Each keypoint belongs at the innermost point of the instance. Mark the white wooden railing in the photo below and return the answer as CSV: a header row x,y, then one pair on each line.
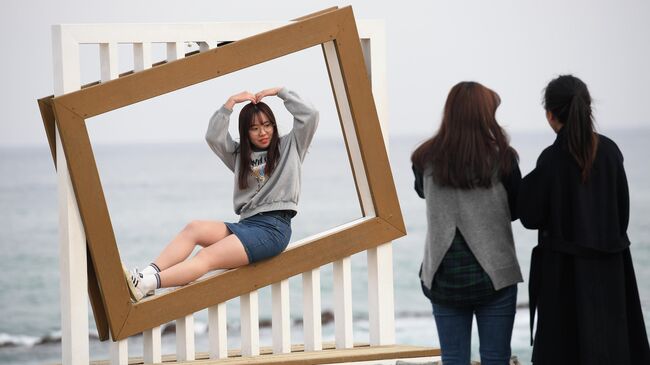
x,y
66,41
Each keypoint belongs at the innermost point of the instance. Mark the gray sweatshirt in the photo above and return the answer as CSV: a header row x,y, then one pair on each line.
x,y
280,190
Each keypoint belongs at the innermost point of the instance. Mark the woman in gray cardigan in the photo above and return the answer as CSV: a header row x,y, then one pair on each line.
x,y
468,175
267,186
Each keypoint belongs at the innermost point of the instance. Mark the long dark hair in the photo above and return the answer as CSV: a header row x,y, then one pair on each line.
x,y
246,118
470,145
568,99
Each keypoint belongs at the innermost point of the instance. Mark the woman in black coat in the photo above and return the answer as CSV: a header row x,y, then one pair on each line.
x,y
582,282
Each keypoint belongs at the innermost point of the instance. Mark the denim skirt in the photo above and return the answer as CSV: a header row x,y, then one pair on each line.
x,y
263,235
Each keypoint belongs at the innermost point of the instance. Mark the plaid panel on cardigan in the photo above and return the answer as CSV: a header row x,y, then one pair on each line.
x,y
460,280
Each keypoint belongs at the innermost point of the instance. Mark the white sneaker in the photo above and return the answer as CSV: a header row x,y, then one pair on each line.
x,y
135,272
132,282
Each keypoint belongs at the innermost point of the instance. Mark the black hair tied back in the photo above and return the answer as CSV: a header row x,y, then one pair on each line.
x,y
568,99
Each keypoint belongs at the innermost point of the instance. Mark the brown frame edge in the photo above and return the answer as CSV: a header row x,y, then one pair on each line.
x,y
94,293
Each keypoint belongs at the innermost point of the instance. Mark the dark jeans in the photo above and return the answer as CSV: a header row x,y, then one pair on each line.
x,y
494,318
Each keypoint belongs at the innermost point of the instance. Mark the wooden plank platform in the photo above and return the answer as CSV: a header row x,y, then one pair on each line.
x,y
329,355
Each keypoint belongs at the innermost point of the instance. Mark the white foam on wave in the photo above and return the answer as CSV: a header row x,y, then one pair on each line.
x,y
9,340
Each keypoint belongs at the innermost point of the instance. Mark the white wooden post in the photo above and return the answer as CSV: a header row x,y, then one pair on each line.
x,y
72,239
281,320
152,344
343,303
185,338
380,295
141,56
312,310
175,50
250,329
184,326
218,331
380,259
380,272
108,59
119,353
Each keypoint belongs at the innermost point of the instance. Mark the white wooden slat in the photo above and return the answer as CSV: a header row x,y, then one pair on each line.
x,y
65,54
175,50
218,331
185,338
343,303
108,60
152,344
119,352
73,288
312,310
141,56
381,309
281,320
72,262
250,330
380,259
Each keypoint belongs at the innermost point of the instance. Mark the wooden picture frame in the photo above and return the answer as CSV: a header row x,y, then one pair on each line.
x,y
335,30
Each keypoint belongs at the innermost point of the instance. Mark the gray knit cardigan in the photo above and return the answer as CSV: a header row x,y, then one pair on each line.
x,y
483,217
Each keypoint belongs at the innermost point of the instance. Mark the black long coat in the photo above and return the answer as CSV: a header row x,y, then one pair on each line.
x,y
582,281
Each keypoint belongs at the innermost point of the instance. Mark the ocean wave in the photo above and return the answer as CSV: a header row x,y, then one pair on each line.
x,y
9,340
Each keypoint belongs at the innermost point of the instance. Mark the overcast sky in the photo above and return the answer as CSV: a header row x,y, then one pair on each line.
x,y
514,47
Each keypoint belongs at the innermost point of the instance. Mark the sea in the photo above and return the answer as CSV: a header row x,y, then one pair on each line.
x,y
154,190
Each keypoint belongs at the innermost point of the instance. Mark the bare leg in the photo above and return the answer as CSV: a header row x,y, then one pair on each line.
x,y
228,253
203,233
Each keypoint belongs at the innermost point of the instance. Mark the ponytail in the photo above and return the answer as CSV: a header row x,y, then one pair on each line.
x,y
568,99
